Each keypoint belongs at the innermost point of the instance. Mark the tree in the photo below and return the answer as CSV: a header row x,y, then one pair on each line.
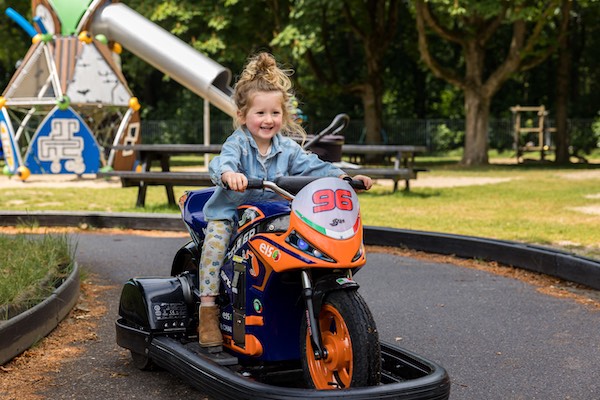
x,y
324,35
225,30
562,154
470,25
15,41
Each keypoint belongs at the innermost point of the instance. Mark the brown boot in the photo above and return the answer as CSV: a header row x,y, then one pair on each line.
x,y
208,329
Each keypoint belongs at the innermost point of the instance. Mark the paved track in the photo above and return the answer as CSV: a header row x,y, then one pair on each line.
x,y
498,338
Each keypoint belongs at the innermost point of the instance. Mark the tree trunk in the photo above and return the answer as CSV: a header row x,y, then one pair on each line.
x,y
562,89
373,115
477,113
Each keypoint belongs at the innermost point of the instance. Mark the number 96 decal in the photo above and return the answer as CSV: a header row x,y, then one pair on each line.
x,y
328,199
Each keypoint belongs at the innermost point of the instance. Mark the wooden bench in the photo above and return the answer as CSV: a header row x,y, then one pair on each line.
x,y
402,169
395,174
168,179
147,154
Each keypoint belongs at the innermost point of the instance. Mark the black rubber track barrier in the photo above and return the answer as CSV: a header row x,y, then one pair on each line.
x,y
22,331
545,260
585,271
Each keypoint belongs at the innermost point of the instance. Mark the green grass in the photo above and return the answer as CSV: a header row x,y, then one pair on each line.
x,y
30,270
533,207
538,204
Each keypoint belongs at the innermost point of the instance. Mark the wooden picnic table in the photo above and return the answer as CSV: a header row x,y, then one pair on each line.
x,y
403,166
147,154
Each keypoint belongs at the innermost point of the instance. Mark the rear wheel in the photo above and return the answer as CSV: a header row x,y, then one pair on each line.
x,y
141,361
351,340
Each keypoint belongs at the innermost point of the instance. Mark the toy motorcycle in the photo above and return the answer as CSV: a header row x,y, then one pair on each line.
x,y
287,293
292,320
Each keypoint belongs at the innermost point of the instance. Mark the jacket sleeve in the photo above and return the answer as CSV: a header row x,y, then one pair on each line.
x,y
227,160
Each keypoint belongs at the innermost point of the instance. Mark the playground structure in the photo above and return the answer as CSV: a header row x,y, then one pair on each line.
x,y
532,137
68,97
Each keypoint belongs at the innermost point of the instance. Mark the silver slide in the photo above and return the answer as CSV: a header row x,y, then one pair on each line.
x,y
167,53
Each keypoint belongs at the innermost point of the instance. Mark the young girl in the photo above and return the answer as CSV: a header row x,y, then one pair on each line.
x,y
257,149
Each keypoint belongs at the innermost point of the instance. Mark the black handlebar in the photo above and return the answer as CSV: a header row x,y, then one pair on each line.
x,y
255,183
355,183
294,184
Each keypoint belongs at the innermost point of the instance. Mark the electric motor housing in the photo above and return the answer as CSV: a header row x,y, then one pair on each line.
x,y
157,304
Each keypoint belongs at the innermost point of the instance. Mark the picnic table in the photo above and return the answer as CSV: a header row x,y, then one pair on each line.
x,y
148,154
403,167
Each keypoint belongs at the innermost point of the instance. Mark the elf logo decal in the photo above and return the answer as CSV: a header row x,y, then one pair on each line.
x,y
226,316
270,251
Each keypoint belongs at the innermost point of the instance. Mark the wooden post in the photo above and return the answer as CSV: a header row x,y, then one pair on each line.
x,y
206,128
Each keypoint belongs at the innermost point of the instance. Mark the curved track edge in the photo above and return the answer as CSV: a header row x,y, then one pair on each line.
x,y
561,264
24,330
557,263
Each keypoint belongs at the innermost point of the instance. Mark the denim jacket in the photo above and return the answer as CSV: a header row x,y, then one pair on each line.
x,y
240,154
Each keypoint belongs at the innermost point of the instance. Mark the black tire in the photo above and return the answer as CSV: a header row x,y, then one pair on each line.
x,y
345,323
142,361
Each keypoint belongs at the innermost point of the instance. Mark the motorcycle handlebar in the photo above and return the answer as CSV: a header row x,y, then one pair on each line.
x,y
255,183
355,183
295,183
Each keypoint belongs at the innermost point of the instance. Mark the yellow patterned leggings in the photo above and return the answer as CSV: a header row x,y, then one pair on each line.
x,y
215,244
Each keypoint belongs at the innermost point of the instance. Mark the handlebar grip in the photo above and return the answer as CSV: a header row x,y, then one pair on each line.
x,y
355,183
255,183
360,185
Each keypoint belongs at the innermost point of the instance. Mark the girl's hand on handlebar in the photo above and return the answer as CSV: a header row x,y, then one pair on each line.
x,y
365,179
234,181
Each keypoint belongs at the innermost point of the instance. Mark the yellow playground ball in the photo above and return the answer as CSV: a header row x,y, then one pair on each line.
x,y
117,48
85,37
23,173
134,104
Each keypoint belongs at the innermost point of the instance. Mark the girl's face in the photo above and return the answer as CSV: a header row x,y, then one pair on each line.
x,y
264,117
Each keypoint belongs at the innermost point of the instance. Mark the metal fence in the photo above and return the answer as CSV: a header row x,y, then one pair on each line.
x,y
436,134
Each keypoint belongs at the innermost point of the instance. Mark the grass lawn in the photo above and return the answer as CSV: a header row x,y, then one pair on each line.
x,y
30,270
530,202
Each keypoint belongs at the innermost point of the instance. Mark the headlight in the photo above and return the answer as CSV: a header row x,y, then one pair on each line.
x,y
304,246
359,253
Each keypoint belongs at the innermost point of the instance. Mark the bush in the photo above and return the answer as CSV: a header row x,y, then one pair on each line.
x,y
585,137
445,139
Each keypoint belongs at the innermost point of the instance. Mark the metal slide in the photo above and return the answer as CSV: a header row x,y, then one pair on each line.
x,y
167,53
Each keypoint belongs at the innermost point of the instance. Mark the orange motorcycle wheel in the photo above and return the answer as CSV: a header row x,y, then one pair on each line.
x,y
351,341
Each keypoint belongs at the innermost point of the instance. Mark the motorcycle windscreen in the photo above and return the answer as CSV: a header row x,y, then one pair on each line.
x,y
329,206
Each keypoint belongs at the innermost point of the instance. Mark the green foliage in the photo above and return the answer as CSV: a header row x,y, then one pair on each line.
x,y
445,139
586,139
14,41
316,38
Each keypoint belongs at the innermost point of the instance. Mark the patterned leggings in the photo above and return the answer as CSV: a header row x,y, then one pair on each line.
x,y
215,244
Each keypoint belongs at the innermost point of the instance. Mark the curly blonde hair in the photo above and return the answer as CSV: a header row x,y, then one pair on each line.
x,y
262,74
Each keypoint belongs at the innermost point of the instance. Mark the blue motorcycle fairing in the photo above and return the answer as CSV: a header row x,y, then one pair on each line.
x,y
271,297
196,199
192,210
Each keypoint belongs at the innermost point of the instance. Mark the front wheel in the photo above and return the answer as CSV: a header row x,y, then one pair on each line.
x,y
351,341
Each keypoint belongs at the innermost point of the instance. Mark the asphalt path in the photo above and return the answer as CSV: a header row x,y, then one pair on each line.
x,y
497,337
